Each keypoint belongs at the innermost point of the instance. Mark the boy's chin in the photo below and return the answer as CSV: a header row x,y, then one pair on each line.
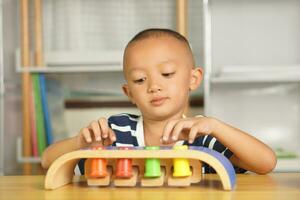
x,y
160,115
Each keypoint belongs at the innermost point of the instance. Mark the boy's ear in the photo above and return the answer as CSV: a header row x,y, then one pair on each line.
x,y
127,92
196,78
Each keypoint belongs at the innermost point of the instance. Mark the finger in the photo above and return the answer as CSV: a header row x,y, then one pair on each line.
x,y
96,130
86,134
112,135
111,138
205,129
96,145
168,129
193,133
178,128
104,127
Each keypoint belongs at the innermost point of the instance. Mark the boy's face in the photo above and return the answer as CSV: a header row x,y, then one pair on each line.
x,y
159,73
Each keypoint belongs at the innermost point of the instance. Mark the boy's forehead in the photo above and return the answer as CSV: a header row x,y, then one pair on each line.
x,y
171,44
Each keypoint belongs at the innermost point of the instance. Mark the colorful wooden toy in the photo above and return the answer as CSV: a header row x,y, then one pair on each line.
x,y
61,171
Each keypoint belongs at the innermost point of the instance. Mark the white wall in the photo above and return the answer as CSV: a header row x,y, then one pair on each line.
x,y
255,32
256,71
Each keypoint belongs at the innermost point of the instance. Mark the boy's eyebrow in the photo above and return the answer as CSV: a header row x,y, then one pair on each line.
x,y
135,69
167,62
161,63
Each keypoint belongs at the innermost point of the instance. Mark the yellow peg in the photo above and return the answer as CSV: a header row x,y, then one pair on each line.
x,y
181,166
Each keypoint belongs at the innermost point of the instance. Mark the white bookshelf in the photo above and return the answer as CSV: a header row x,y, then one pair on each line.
x,y
253,70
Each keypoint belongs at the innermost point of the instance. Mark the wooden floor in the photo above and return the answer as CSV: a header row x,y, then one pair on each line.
x,y
249,186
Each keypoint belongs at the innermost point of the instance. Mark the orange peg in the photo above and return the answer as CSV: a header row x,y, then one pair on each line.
x,y
98,166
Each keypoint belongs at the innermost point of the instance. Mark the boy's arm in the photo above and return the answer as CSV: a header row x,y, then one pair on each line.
x,y
58,149
97,133
248,152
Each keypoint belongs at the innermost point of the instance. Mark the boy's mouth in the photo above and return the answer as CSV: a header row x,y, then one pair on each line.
x,y
158,101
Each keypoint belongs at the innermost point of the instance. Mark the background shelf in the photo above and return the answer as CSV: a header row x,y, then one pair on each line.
x,y
76,61
231,74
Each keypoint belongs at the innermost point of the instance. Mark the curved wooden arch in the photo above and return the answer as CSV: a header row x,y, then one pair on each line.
x,y
61,171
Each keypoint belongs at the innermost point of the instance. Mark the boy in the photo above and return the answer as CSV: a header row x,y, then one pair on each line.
x,y
158,66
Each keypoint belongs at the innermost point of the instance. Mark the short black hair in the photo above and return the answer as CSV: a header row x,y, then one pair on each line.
x,y
156,33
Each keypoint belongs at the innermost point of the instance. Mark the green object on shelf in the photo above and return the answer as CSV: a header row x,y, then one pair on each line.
x,y
41,134
152,165
285,154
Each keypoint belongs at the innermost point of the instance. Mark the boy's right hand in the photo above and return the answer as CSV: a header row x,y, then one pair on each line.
x,y
97,133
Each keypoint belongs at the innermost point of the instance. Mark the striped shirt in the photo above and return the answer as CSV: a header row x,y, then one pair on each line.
x,y
130,132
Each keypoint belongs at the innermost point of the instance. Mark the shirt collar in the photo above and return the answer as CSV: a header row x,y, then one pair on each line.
x,y
140,134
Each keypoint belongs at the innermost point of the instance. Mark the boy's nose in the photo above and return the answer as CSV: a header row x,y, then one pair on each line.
x,y
154,88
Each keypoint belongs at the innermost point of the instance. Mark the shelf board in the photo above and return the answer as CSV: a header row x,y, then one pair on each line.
x,y
20,157
69,69
253,79
75,61
253,74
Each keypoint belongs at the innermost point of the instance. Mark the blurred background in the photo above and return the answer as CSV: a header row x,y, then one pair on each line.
x,y
249,49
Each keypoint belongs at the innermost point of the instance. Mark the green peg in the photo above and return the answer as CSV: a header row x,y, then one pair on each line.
x,y
152,165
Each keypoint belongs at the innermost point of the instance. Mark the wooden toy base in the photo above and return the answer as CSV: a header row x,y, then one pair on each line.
x,y
61,171
154,182
100,181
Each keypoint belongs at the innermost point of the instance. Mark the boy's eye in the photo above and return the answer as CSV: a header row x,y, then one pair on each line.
x,y
139,81
168,75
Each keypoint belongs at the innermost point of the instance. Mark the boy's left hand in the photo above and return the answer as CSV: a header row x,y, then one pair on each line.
x,y
187,129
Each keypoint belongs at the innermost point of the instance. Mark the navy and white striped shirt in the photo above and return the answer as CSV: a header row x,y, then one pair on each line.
x,y
130,132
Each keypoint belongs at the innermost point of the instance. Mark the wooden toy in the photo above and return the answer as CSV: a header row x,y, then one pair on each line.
x,y
61,171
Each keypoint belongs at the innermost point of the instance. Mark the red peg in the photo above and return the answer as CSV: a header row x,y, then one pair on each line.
x,y
124,166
